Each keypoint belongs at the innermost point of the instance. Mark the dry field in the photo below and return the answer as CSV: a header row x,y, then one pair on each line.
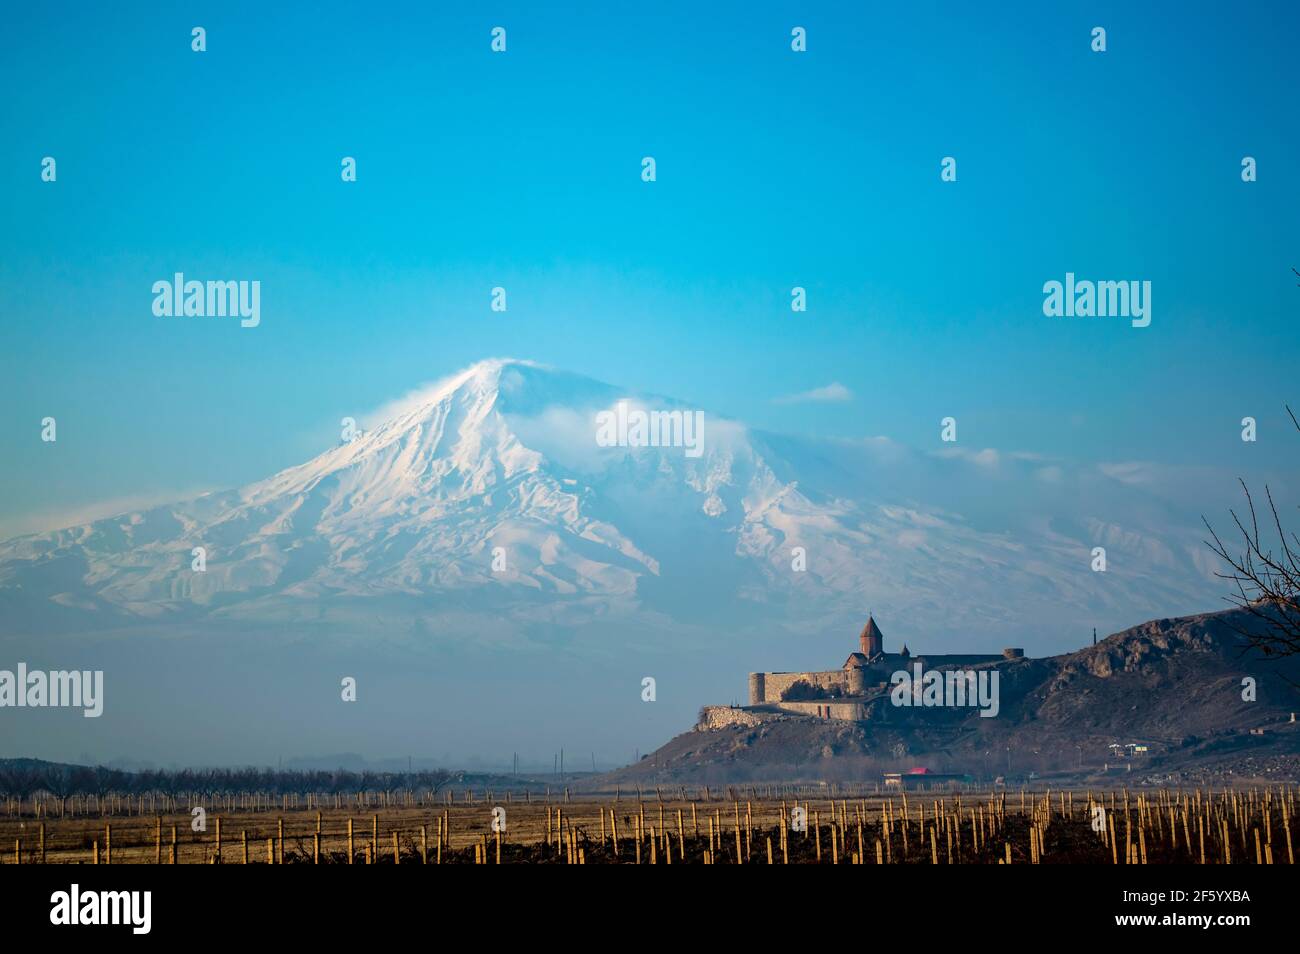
x,y
756,826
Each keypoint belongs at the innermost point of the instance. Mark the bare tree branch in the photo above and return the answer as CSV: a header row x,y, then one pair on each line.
x,y
1266,581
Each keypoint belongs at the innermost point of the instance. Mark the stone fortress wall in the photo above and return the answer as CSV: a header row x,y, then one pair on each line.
x,y
843,693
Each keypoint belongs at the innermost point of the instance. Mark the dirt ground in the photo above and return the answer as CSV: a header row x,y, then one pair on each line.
x,y
973,828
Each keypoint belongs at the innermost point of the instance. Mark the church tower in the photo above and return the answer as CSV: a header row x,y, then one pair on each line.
x,y
871,640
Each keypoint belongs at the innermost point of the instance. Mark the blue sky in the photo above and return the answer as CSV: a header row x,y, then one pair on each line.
x,y
522,170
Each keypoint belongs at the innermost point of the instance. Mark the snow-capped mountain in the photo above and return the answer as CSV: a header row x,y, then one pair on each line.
x,y
489,493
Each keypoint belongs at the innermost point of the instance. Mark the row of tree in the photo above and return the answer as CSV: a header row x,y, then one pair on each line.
x,y
23,779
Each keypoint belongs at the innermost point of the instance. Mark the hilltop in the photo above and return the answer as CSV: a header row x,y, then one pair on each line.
x,y
1174,686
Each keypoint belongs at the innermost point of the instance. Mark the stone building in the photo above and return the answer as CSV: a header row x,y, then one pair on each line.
x,y
845,693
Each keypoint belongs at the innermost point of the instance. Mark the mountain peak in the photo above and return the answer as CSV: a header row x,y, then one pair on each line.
x,y
489,488
480,378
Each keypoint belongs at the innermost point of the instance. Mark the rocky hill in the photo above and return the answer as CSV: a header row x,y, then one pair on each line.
x,y
1175,686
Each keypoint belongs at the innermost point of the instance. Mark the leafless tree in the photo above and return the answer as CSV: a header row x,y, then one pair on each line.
x,y
22,778
26,777
1265,574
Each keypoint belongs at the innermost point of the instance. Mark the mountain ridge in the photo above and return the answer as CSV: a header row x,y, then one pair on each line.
x,y
488,489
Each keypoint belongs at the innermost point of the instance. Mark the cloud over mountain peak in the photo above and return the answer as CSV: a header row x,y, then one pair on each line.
x,y
488,491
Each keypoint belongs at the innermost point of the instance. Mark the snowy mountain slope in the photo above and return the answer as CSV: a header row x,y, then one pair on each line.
x,y
500,463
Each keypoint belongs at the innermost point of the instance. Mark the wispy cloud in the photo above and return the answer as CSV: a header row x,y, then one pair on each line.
x,y
430,392
831,393
49,520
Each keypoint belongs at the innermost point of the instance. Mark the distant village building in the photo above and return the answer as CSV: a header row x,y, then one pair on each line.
x,y
846,693
923,778
1129,749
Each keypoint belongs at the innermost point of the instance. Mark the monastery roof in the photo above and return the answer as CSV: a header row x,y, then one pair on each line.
x,y
871,629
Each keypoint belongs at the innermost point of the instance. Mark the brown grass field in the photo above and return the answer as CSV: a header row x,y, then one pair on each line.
x,y
756,826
